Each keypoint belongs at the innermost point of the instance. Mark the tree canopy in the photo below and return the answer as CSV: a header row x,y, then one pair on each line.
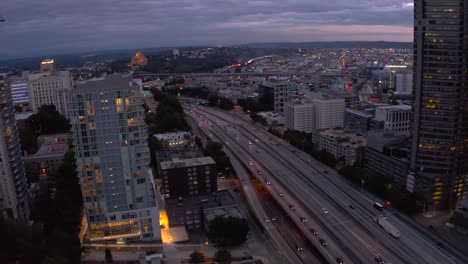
x,y
197,257
228,231
215,150
46,121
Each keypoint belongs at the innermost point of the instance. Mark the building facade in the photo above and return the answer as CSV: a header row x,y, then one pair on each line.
x,y
439,157
396,118
342,144
50,87
19,90
357,120
113,160
185,177
404,83
13,183
387,154
329,113
299,116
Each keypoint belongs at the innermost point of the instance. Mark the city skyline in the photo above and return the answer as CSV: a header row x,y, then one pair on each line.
x,y
33,28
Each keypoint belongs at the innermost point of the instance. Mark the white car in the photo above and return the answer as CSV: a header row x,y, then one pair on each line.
x,y
324,210
250,142
250,163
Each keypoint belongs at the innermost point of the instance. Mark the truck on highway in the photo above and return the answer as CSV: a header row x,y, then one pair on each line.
x,y
387,226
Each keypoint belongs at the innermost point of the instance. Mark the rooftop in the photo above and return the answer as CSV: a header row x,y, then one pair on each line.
x,y
358,112
181,163
174,136
226,211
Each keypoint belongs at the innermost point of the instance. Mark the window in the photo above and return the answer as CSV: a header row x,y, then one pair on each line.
x,y
139,199
112,218
140,181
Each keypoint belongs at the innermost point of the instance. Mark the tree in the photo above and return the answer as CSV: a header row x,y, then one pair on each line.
x,y
108,255
46,121
197,257
215,150
228,231
223,255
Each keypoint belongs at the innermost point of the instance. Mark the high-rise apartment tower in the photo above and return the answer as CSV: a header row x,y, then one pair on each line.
x,y
113,160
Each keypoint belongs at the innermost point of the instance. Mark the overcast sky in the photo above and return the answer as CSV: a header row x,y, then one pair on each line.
x,y
35,27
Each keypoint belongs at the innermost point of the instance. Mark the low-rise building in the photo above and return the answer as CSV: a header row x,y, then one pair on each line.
x,y
224,211
174,140
50,154
387,154
184,177
188,211
344,145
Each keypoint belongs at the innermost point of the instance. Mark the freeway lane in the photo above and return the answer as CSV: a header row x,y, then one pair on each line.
x,y
331,251
287,251
413,247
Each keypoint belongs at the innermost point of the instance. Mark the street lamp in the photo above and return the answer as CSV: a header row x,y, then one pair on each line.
x,y
362,185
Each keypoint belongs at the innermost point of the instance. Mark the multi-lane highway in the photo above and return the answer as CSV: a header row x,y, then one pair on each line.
x,y
342,215
282,235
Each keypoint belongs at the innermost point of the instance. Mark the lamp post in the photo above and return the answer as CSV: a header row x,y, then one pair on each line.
x,y
362,185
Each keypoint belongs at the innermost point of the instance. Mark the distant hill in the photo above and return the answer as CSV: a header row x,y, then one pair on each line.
x,y
334,44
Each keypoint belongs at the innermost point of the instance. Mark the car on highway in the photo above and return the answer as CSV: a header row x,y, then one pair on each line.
x,y
266,219
274,219
303,220
244,182
268,182
250,163
379,260
351,206
324,210
326,172
339,260
256,140
298,248
280,194
250,142
323,242
259,172
291,207
314,232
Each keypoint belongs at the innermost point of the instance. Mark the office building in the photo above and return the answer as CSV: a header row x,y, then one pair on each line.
x,y
50,86
13,183
275,92
357,120
329,113
344,145
112,159
185,177
439,157
404,83
387,154
19,90
299,116
396,118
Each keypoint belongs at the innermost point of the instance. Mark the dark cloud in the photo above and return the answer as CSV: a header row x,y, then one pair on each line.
x,y
38,26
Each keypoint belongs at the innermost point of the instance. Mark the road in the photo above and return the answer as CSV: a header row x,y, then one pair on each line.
x,y
310,186
287,251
